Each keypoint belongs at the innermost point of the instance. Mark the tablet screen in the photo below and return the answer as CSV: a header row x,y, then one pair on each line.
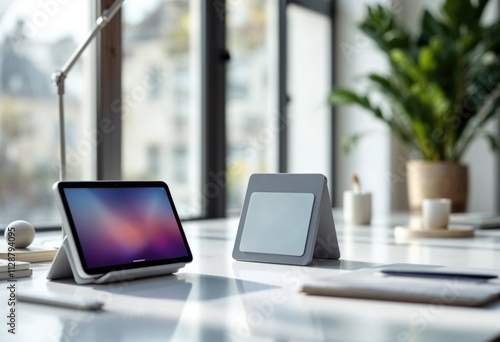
x,y
120,225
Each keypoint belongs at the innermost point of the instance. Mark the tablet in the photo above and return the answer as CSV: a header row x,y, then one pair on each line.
x,y
120,225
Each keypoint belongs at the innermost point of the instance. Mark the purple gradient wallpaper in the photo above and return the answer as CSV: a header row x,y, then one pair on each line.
x,y
116,226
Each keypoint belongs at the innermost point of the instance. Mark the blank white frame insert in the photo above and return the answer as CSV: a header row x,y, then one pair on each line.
x,y
282,217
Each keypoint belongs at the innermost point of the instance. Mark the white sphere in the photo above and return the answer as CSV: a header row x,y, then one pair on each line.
x,y
22,232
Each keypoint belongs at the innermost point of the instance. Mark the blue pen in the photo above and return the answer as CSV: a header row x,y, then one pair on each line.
x,y
438,274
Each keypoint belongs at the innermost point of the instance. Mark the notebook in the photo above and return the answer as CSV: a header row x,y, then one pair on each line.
x,y
478,220
372,284
29,254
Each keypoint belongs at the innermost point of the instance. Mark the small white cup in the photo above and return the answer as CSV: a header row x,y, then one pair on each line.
x,y
435,213
357,207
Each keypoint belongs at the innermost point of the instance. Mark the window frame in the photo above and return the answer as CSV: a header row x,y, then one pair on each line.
x,y
108,95
213,101
326,8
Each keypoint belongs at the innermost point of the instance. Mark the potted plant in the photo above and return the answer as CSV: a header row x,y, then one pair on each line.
x,y
442,89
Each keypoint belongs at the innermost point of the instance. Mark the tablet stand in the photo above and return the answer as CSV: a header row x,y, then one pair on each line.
x,y
286,219
64,266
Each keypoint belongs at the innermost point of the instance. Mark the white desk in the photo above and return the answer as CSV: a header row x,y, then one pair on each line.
x,y
218,299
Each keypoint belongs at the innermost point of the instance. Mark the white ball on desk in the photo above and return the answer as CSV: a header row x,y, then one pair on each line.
x,y
20,232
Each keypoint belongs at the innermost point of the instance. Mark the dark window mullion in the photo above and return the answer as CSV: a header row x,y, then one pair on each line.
x,y
498,158
283,98
214,58
319,6
333,117
108,96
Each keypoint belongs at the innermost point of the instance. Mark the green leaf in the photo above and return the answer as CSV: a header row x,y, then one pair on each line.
x,y
382,81
491,37
426,59
431,28
494,142
381,26
349,142
406,67
457,14
344,96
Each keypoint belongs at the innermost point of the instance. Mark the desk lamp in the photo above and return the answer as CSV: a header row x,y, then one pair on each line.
x,y
60,76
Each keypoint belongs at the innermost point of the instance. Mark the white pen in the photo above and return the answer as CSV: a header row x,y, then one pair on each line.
x,y
62,300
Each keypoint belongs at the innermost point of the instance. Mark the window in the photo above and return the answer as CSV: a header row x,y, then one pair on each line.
x,y
161,97
252,118
309,82
36,39
187,110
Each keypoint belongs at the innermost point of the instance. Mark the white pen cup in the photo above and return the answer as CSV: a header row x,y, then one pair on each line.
x,y
357,207
435,213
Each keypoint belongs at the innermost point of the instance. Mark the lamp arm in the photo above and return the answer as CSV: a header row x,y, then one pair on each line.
x,y
59,76
101,22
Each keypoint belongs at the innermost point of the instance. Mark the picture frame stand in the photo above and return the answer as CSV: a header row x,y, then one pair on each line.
x,y
286,219
64,266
